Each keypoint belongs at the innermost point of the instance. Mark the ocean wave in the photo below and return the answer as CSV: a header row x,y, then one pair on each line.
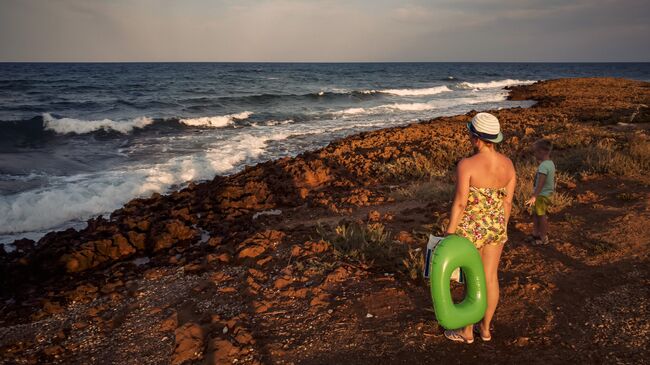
x,y
70,200
216,121
417,92
417,107
494,84
79,126
408,107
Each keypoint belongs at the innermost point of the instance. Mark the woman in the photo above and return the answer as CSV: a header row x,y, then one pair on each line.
x,y
485,185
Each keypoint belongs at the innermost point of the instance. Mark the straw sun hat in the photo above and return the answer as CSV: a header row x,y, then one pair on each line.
x,y
486,127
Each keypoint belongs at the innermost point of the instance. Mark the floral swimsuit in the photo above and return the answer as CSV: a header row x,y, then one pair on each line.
x,y
484,221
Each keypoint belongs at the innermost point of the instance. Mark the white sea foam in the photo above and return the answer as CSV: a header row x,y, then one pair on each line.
x,y
216,121
417,92
351,111
411,107
79,126
279,122
494,84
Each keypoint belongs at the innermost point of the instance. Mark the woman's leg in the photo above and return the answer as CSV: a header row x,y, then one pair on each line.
x,y
490,255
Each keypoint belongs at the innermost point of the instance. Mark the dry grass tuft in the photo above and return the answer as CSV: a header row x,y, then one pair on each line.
x,y
435,189
420,166
365,243
414,263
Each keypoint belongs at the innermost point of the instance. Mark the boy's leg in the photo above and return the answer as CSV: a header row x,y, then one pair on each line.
x,y
543,226
535,225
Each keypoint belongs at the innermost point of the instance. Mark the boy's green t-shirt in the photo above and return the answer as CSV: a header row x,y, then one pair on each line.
x,y
547,167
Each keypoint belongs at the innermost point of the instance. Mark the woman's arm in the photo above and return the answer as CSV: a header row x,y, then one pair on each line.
x,y
460,197
510,193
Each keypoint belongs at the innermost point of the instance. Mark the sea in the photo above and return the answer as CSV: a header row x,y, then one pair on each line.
x,y
78,140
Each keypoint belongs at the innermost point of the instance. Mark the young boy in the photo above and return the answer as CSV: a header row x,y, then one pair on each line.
x,y
544,188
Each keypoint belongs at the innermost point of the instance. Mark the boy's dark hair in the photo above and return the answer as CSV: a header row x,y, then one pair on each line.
x,y
544,145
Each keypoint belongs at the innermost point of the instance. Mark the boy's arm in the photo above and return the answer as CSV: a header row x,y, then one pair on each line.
x,y
541,179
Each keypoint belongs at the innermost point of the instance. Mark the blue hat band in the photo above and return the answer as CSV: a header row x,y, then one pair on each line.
x,y
481,134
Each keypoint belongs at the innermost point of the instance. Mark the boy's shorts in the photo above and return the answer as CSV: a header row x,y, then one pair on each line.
x,y
541,205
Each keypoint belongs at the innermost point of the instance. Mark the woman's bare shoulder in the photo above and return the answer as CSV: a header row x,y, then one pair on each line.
x,y
507,162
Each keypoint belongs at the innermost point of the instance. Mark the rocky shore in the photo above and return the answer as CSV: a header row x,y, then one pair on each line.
x,y
314,259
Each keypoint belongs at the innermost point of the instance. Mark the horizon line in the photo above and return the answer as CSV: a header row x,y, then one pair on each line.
x,y
324,62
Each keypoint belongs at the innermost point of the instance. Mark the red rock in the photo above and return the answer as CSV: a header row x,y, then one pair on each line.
x,y
52,307
319,247
222,352
154,274
215,241
264,261
79,325
282,282
405,237
84,293
337,275
189,343
110,287
222,257
220,277
244,338
53,351
169,323
297,251
260,306
374,216
295,293
257,274
252,252
137,239
320,300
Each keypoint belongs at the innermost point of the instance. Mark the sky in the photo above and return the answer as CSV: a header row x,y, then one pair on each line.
x,y
325,30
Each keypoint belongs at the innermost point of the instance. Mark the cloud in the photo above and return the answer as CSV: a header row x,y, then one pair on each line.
x,y
323,30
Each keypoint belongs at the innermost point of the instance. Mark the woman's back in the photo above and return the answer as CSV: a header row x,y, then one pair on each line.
x,y
489,170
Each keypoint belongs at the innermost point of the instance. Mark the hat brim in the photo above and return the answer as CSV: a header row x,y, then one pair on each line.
x,y
493,140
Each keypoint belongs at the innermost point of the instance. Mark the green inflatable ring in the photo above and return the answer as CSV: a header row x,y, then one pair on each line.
x,y
452,252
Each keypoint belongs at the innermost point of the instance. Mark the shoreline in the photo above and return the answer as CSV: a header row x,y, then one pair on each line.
x,y
79,224
209,239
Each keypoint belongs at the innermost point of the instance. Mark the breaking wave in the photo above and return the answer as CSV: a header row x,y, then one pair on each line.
x,y
79,126
494,84
217,121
